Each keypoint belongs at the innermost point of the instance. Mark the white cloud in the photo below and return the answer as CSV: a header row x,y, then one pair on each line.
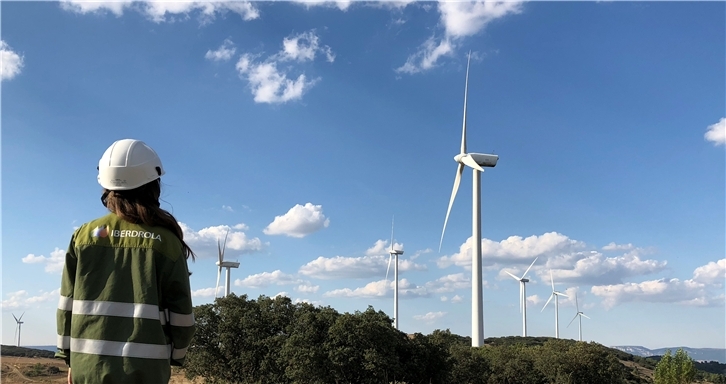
x,y
343,5
299,221
712,273
595,268
10,62
19,300
311,302
430,317
457,299
204,241
459,19
265,279
281,294
717,132
444,298
381,247
53,264
160,10
703,290
304,47
419,253
223,53
227,208
307,288
268,83
618,247
513,249
207,292
241,227
380,288
533,300
340,267
449,283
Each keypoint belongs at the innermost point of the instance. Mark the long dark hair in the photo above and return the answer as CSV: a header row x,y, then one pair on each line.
x,y
141,206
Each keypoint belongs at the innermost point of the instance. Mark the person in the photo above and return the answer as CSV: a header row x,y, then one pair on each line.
x,y
125,310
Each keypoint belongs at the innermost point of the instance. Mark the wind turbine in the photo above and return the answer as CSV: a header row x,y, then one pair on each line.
x,y
580,314
224,264
475,161
556,295
19,325
394,252
523,296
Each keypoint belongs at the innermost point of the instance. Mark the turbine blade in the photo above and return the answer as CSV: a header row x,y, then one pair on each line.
x,y
389,262
584,315
577,306
21,316
552,279
468,160
573,319
220,254
219,273
515,277
466,92
457,181
16,319
560,294
548,301
390,257
530,267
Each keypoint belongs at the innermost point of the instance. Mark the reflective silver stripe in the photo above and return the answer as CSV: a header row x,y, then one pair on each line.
x,y
64,342
178,353
162,317
112,308
179,320
116,348
65,303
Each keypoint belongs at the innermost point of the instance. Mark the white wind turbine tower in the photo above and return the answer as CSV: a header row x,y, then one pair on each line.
x,y
579,314
475,161
224,264
394,252
556,295
18,327
523,296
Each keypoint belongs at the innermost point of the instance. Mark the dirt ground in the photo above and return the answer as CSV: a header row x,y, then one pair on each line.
x,y
17,370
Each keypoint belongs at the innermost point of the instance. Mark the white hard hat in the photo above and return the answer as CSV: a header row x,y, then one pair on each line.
x,y
128,164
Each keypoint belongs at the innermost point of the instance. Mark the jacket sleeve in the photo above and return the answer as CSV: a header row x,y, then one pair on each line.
x,y
65,304
177,302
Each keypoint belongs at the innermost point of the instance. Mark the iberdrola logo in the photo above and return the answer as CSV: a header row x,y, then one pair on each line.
x,y
100,231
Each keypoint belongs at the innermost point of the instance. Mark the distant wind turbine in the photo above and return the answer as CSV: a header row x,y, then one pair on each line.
x,y
556,295
394,252
224,264
579,314
523,296
18,326
475,161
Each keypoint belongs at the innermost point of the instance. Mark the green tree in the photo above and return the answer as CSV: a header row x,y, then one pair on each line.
x,y
675,369
307,360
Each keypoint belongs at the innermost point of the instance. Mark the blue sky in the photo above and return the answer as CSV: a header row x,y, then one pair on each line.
x,y
303,128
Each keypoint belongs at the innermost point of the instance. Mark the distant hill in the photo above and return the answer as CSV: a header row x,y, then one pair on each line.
x,y
698,354
10,350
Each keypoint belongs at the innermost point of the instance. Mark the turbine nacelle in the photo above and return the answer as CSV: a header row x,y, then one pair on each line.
x,y
481,159
228,264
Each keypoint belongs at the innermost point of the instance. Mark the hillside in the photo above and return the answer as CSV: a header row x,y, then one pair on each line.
x,y
698,354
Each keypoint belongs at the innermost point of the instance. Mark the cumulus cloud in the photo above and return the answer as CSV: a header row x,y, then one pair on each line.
x,y
449,283
595,268
513,249
223,53
459,19
204,241
307,288
380,288
160,11
430,317
53,263
299,221
618,247
533,300
10,62
381,247
20,300
206,292
343,5
716,133
698,291
340,267
265,279
457,299
270,84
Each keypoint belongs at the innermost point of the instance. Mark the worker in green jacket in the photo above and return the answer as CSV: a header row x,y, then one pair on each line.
x,y
125,309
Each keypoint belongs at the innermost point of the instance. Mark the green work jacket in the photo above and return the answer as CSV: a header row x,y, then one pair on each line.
x,y
125,309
